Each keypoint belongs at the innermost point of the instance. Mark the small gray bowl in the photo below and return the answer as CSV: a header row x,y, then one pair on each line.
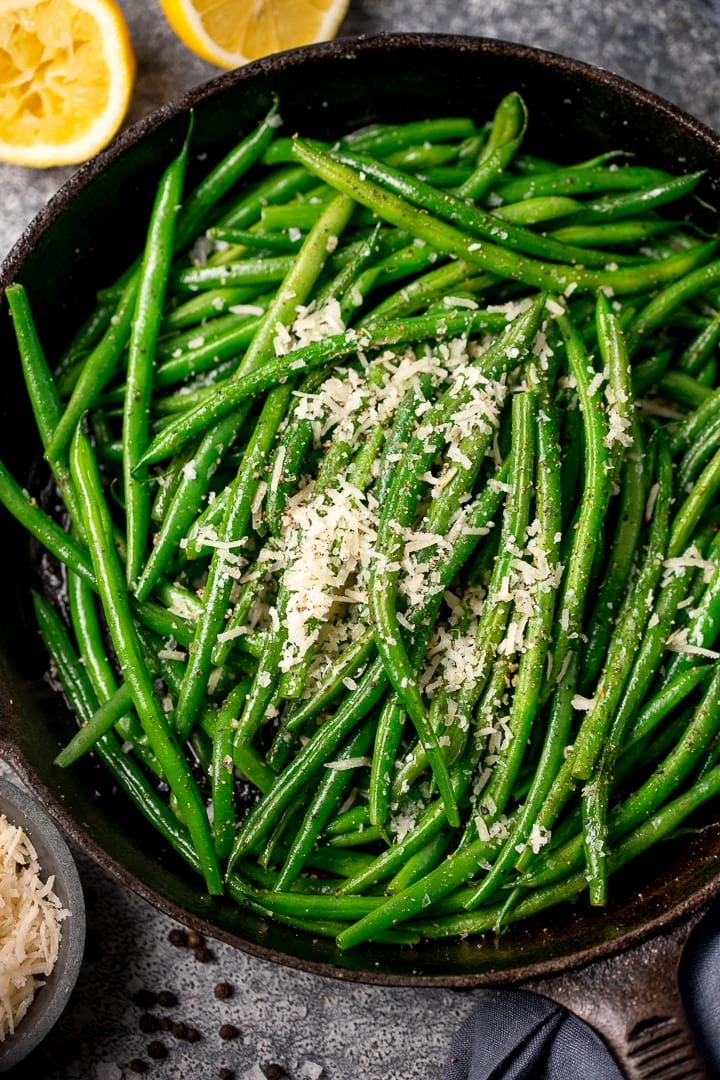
x,y
55,858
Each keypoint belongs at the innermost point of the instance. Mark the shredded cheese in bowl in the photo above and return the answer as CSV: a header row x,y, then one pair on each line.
x,y
30,918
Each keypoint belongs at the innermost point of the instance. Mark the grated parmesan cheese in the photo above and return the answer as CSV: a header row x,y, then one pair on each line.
x,y
678,642
30,916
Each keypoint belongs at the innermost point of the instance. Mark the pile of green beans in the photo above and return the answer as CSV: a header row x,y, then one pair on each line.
x,y
389,473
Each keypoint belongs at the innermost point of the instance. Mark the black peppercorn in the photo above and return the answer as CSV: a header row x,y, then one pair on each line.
x,y
226,1074
157,1050
179,938
202,954
229,1031
179,1029
137,1065
149,1024
192,1035
194,939
167,999
145,999
223,990
273,1071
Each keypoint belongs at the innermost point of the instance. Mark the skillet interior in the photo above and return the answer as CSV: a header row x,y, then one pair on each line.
x,y
87,235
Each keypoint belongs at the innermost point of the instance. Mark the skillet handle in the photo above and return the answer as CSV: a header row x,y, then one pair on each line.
x,y
633,1002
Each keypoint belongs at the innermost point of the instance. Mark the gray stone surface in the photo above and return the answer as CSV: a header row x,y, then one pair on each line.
x,y
298,1020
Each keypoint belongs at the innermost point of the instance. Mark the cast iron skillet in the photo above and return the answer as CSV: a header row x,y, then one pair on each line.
x,y
615,967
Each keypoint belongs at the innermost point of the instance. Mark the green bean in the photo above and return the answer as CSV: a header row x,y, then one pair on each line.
x,y
46,410
383,139
222,774
225,174
276,187
317,927
206,305
419,864
194,482
535,211
609,234
298,216
696,280
689,429
124,770
348,821
620,559
259,271
593,506
579,181
97,370
25,510
506,136
208,348
628,632
152,282
694,506
705,616
254,239
290,454
117,612
341,285
325,800
697,454
537,635
490,257
692,359
82,343
90,638
435,283
102,720
551,759
684,388
665,701
474,220
245,383
640,201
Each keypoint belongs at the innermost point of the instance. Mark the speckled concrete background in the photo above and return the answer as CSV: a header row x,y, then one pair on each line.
x,y
304,1023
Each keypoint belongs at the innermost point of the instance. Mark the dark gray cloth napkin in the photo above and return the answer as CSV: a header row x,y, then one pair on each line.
x,y
711,8
513,1035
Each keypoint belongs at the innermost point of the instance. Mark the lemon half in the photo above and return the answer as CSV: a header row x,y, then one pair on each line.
x,y
233,32
66,75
